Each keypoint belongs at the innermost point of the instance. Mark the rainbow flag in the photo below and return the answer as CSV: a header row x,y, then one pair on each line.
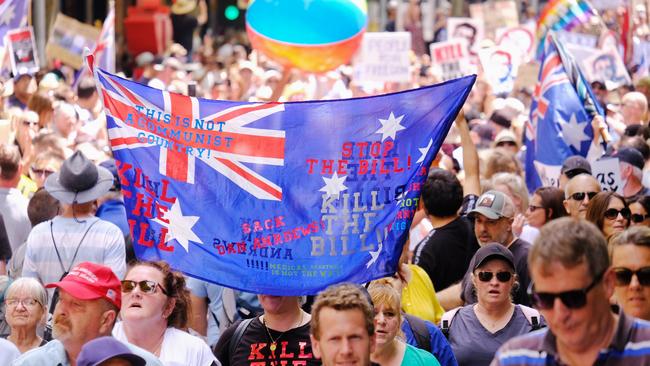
x,y
562,14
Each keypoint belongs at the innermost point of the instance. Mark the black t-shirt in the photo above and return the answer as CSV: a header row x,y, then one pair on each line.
x,y
5,247
445,253
293,347
519,249
183,30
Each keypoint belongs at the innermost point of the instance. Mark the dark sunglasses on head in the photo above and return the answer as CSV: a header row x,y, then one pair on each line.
x,y
579,196
147,287
501,276
638,218
612,213
624,276
574,299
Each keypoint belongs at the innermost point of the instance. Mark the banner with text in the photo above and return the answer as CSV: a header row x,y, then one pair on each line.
x,y
275,198
383,56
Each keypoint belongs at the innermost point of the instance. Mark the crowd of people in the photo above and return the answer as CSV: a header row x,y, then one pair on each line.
x,y
491,273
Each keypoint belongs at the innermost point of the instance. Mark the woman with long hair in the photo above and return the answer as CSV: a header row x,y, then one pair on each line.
x,y
610,212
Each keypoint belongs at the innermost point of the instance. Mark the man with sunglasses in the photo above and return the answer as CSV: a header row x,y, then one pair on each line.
x,y
89,303
578,191
630,254
573,166
572,284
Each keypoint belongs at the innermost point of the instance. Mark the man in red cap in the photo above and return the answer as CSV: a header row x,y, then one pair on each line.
x,y
89,301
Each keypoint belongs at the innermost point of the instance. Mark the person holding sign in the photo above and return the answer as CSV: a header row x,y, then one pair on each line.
x,y
609,211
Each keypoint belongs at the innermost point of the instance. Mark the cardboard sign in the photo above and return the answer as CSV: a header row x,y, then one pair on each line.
x,y
468,29
607,66
520,38
22,51
384,56
68,39
451,58
495,15
608,173
548,174
500,65
527,75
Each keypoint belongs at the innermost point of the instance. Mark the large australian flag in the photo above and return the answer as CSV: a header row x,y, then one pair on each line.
x,y
561,112
275,198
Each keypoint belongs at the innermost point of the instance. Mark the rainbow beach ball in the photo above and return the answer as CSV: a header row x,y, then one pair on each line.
x,y
312,35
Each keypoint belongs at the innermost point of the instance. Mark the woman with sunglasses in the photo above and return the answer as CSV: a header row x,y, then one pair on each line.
x,y
640,209
545,205
155,306
610,213
630,254
476,331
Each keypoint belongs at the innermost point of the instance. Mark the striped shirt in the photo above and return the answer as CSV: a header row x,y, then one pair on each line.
x,y
104,244
630,347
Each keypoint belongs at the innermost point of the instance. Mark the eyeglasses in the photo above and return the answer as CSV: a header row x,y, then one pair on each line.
x,y
579,196
574,299
612,213
25,302
147,287
638,218
501,276
533,208
624,276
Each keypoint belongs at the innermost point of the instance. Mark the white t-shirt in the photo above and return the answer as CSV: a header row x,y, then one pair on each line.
x,y
8,352
178,348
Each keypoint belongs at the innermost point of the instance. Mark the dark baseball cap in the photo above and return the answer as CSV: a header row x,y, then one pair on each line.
x,y
492,251
631,156
99,350
575,165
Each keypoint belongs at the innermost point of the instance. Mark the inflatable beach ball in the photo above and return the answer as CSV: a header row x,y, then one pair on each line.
x,y
312,35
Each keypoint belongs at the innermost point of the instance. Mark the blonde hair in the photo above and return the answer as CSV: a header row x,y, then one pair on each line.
x,y
383,293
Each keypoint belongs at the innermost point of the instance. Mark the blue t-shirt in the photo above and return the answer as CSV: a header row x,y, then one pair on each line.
x,y
439,345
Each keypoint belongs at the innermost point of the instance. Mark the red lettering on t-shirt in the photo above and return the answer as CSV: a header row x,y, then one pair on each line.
x,y
255,351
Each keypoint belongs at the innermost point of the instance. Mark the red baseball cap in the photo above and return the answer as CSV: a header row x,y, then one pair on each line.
x,y
90,281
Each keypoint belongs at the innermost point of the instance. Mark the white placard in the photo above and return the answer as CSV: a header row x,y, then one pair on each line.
x,y
451,57
548,174
608,173
22,51
500,65
384,56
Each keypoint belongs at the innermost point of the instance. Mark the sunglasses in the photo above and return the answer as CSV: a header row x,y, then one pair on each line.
x,y
579,196
638,218
612,213
624,276
533,208
147,287
574,299
506,143
501,276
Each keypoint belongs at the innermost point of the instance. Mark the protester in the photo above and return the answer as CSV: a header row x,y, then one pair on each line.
x,y
75,235
13,205
577,193
88,305
24,87
108,351
609,212
630,256
155,309
281,334
572,166
44,164
640,209
573,282
631,163
388,319
26,305
476,331
342,326
545,205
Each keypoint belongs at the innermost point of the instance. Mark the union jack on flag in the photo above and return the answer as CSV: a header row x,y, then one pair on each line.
x,y
560,116
274,198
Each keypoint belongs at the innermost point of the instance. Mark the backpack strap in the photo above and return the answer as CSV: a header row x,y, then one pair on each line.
x,y
237,336
420,331
445,321
532,315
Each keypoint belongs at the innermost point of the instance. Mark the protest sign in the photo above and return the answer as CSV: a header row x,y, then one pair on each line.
x,y
451,58
383,56
495,15
68,39
501,65
608,173
468,29
22,51
527,75
549,175
606,66
521,38
274,198
577,39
